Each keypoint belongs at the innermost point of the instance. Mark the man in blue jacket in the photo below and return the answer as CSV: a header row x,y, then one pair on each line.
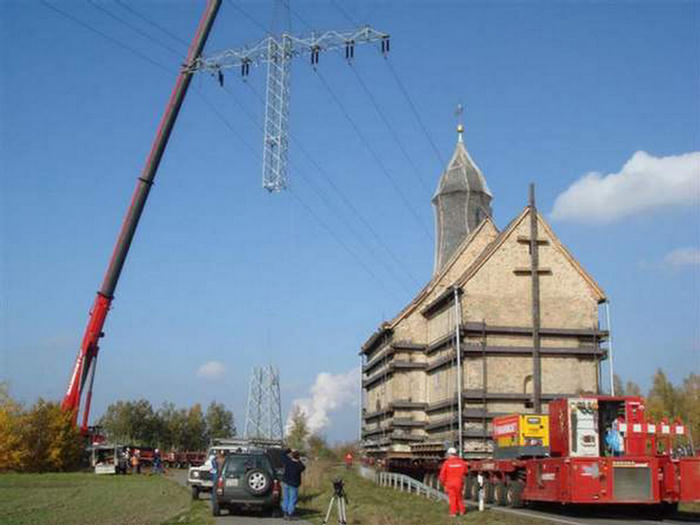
x,y
293,467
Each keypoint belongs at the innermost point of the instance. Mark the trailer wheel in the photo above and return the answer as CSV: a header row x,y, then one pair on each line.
x,y
474,491
499,493
469,488
514,494
488,491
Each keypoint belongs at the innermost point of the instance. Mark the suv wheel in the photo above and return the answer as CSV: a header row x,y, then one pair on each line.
x,y
257,481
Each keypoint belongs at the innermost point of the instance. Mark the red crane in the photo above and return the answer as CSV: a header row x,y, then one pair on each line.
x,y
86,360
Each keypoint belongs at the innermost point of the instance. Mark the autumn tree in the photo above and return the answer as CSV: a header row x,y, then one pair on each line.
x,y
298,431
40,439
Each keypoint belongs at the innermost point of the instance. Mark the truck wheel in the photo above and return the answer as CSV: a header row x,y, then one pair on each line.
x,y
668,510
488,491
499,493
514,494
195,493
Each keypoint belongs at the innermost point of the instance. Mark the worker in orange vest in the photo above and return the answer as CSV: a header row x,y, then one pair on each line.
x,y
348,460
451,476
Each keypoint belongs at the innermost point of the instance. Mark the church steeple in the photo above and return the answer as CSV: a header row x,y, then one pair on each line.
x,y
462,200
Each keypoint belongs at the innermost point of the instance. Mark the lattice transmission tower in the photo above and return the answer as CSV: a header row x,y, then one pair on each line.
x,y
264,413
277,52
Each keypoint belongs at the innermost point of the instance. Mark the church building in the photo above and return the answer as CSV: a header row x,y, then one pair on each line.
x,y
500,305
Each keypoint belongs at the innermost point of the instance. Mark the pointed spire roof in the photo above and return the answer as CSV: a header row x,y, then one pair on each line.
x,y
462,173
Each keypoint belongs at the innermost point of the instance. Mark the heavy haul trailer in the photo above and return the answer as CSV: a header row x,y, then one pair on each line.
x,y
602,450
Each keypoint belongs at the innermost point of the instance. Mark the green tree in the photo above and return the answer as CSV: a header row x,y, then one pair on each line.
x,y
132,422
690,406
194,432
663,400
298,431
219,421
318,448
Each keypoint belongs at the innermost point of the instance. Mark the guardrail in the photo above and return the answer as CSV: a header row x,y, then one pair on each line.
x,y
404,483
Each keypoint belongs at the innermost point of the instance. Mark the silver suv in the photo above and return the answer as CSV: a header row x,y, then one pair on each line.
x,y
199,478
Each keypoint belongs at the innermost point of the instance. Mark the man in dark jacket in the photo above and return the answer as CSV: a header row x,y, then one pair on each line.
x,y
293,467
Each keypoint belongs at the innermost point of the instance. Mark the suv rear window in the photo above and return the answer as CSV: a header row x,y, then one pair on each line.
x,y
238,464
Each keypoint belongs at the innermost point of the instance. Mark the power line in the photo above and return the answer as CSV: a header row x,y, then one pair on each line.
x,y
374,154
228,125
87,26
404,91
154,24
324,198
374,102
330,232
248,16
344,13
329,180
369,94
134,28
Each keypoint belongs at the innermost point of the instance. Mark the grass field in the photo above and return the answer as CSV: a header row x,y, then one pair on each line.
x,y
370,504
77,498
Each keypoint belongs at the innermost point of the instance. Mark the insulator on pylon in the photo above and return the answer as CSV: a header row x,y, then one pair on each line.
x,y
349,50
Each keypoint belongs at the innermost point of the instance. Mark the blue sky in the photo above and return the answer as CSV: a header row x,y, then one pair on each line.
x,y
220,270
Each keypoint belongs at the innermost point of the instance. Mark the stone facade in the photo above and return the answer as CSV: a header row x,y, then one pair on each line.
x,y
409,363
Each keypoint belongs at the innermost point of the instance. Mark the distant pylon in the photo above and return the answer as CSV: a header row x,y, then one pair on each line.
x,y
264,414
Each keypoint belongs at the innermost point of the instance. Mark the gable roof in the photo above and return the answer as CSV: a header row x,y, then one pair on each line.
x,y
425,292
556,243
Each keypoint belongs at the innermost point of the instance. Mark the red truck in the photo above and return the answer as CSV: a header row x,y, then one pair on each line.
x,y
602,450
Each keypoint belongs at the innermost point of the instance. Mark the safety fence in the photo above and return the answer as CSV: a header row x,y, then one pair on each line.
x,y
404,483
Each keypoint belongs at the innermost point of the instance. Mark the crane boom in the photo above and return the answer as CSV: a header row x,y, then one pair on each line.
x,y
87,354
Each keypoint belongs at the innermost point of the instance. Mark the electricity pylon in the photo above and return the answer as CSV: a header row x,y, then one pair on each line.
x,y
278,52
264,413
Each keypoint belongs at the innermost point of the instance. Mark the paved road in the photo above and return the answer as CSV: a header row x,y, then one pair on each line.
x,y
587,516
250,518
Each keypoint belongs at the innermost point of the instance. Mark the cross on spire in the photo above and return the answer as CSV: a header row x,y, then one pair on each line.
x,y
459,111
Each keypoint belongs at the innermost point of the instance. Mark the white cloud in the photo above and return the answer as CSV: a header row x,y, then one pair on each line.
x,y
211,370
682,257
643,184
328,393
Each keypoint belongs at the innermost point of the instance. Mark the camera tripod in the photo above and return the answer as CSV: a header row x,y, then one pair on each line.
x,y
341,501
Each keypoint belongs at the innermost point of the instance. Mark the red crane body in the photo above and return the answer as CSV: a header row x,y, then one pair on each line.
x,y
86,360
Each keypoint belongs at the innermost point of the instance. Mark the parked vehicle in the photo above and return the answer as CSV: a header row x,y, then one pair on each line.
x,y
108,459
248,480
199,476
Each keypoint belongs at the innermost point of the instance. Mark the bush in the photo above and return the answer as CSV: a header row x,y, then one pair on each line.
x,y
40,439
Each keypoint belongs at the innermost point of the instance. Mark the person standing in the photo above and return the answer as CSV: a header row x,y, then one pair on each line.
x,y
293,467
451,476
135,461
348,460
216,465
157,463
